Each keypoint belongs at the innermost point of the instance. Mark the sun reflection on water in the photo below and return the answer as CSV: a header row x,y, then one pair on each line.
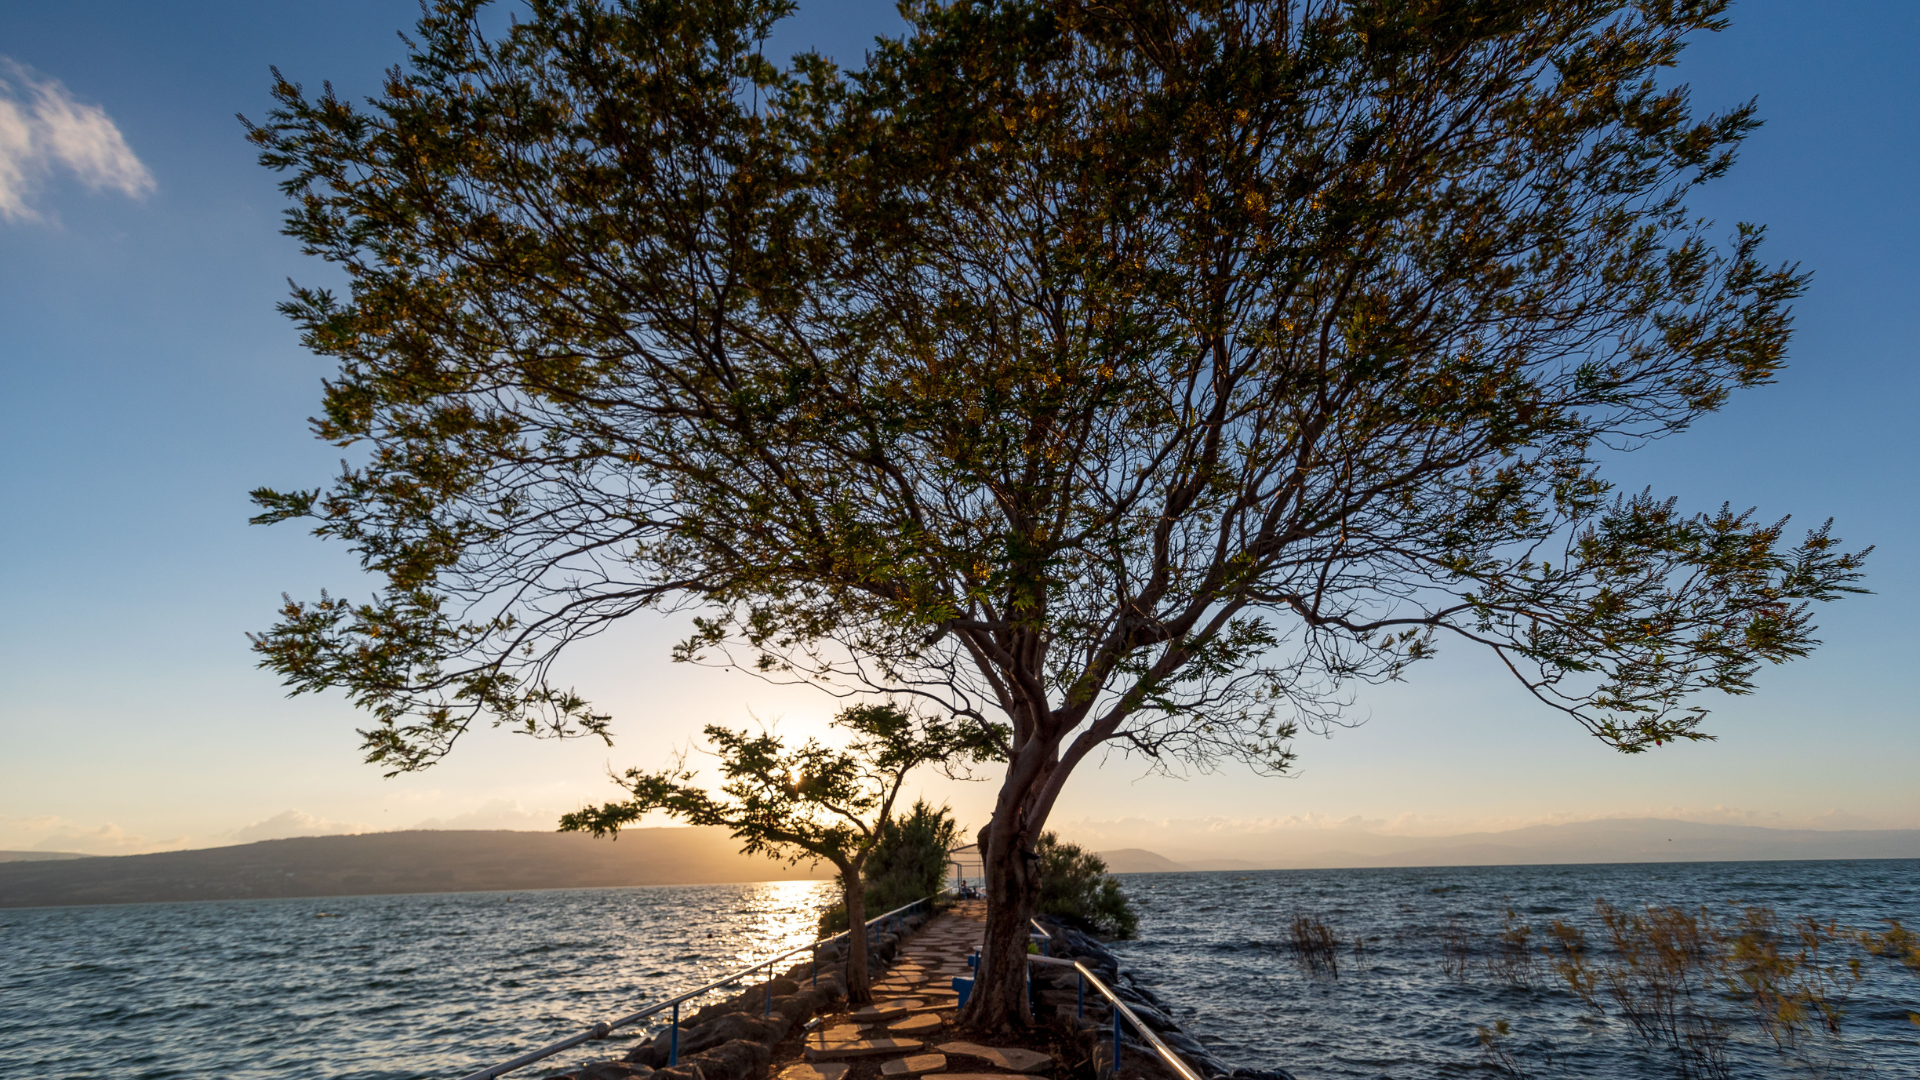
x,y
775,916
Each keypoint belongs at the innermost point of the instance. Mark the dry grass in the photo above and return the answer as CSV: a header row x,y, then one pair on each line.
x,y
1315,946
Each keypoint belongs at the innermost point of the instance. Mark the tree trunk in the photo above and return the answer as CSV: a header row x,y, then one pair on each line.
x,y
999,1003
853,890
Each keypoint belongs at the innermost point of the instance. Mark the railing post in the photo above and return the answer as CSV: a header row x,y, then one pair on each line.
x,y
1116,1041
673,1037
1081,981
816,965
769,1011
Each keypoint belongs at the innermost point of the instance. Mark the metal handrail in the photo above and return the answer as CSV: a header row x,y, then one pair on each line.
x,y
1120,1009
604,1028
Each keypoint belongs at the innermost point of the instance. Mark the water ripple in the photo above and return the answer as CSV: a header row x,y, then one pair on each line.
x,y
1218,943
363,988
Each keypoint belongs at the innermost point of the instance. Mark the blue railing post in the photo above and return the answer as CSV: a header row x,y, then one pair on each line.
x,y
769,1011
673,1037
1116,1041
816,965
1081,981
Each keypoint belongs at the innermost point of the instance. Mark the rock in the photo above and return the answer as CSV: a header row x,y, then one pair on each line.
x,y
781,988
801,1006
721,1029
1012,1058
740,1025
610,1070
682,1071
737,1059
651,1054
914,1065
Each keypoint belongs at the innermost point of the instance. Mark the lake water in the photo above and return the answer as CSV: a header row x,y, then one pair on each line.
x,y
393,987
1217,947
380,988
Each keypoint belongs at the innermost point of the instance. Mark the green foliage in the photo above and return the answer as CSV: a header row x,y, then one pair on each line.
x,y
909,861
1075,885
1146,373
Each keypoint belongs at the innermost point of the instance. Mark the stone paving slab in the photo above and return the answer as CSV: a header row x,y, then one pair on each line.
x,y
862,1048
915,1025
1014,1058
826,1070
885,1010
915,1065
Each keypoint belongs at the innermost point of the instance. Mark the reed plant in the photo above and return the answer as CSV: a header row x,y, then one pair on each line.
x,y
1513,959
1456,949
1685,981
1315,945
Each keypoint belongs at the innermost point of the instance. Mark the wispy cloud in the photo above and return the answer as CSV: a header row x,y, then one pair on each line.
x,y
50,833
290,823
45,131
498,814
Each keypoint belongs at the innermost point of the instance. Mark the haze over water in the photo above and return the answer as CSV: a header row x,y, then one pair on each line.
x,y
434,986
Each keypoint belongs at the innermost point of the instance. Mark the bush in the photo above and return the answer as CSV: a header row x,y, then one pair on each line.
x,y
909,861
1076,888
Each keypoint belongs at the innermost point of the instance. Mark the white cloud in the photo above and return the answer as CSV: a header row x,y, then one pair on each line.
x,y
49,833
498,814
289,823
44,130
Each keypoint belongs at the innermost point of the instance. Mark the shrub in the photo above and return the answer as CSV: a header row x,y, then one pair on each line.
x,y
1075,887
909,861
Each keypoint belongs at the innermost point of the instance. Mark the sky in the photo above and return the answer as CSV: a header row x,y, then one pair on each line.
x,y
147,383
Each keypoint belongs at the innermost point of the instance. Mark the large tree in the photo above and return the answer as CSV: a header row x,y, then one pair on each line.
x,y
1140,375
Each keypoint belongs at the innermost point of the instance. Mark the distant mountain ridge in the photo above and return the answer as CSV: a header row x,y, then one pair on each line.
x,y
413,861
1609,840
40,856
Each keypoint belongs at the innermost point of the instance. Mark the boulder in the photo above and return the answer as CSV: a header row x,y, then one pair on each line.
x,y
800,1007
748,1026
720,1029
682,1071
610,1070
736,1059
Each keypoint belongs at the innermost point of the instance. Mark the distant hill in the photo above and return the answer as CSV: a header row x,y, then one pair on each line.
x,y
40,856
1611,840
1135,860
417,861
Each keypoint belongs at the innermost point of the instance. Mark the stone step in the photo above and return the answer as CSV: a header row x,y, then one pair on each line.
x,y
826,1070
862,1048
915,1025
1012,1058
885,1010
915,1065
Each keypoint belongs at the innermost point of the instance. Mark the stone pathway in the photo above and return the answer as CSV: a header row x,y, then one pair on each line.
x,y
908,1002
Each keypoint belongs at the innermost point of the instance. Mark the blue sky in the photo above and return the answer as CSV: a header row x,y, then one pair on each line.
x,y
146,383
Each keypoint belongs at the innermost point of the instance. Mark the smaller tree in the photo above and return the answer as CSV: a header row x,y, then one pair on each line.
x,y
1075,886
813,802
909,861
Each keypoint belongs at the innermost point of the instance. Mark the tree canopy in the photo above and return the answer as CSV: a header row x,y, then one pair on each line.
x,y
1139,374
